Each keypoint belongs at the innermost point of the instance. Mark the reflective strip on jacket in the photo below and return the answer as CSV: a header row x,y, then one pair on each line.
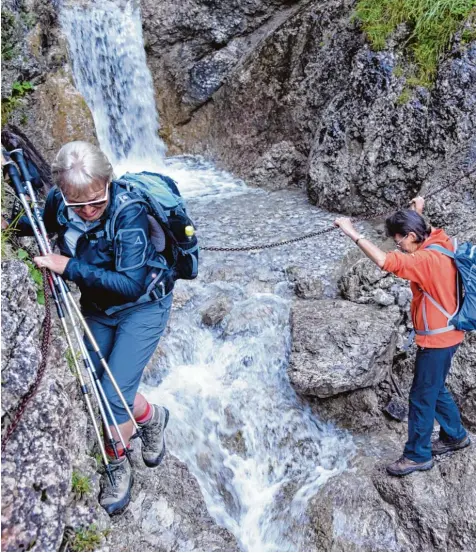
x,y
435,274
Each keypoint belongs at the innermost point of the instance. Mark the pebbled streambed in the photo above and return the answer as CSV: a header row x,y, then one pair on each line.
x,y
255,448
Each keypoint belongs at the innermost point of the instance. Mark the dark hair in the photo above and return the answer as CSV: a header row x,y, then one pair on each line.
x,y
405,221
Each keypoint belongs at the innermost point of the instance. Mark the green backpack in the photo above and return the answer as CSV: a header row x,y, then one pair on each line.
x,y
169,222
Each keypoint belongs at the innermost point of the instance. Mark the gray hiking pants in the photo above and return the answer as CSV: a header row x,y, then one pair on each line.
x,y
127,340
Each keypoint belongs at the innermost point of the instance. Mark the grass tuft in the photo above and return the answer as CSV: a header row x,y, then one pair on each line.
x,y
404,97
432,25
86,539
80,485
19,90
35,274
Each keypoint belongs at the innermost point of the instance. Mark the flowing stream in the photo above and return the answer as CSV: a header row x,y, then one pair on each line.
x,y
255,448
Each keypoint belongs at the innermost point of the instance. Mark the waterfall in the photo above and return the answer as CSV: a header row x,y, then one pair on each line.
x,y
110,71
257,451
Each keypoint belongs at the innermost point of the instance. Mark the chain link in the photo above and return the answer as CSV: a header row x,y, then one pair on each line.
x,y
323,231
47,320
45,343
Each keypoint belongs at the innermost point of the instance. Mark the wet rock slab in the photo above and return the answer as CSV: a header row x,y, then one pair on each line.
x,y
167,513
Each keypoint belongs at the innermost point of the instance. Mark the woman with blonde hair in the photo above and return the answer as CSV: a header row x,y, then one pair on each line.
x,y
124,301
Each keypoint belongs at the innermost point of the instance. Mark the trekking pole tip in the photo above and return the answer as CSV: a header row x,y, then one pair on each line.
x,y
138,434
110,474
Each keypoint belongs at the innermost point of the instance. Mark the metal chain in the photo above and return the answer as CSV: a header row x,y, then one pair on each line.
x,y
323,231
47,320
45,342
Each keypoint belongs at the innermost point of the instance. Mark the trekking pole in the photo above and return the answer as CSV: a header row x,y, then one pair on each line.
x,y
67,300
15,180
18,157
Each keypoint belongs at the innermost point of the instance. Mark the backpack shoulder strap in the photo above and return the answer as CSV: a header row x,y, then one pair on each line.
x,y
122,197
427,331
444,251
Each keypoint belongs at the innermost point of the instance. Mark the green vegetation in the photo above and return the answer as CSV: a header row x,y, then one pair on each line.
x,y
432,25
99,458
70,358
468,35
86,539
9,232
398,71
35,274
29,19
19,90
81,485
13,28
404,97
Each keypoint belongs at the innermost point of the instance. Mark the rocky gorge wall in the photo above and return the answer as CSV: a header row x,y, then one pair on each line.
x,y
38,94
51,466
285,94
292,94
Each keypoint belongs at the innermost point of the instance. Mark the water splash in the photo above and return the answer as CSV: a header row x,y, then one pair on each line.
x,y
257,451
110,71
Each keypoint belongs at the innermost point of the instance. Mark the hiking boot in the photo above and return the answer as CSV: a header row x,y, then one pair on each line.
x,y
441,446
153,436
405,466
114,499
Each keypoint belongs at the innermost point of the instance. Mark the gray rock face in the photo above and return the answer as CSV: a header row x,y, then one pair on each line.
x,y
41,509
285,95
51,439
368,510
193,48
339,346
54,112
167,513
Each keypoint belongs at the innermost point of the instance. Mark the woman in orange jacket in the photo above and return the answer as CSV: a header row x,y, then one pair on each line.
x,y
430,274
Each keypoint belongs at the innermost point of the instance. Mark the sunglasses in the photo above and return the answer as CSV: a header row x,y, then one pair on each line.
x,y
82,204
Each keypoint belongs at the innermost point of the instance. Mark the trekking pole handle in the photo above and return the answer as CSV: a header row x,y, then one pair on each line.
x,y
19,159
15,179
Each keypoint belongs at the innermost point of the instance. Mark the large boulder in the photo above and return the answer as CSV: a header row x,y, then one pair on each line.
x,y
365,509
339,346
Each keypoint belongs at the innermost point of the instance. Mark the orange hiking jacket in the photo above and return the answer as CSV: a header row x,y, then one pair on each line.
x,y
436,274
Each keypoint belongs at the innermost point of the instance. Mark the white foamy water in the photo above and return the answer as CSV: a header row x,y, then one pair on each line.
x,y
256,450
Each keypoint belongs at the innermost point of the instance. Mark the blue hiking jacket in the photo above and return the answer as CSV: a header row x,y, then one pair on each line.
x,y
108,273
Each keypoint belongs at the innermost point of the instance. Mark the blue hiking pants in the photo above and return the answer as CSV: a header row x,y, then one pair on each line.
x,y
430,399
127,340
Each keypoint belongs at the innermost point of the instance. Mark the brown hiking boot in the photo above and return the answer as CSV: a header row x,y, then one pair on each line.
x,y
404,466
441,446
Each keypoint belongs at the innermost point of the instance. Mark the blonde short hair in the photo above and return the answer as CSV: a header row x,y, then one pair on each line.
x,y
78,164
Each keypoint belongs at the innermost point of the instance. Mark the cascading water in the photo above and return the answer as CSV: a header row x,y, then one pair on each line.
x,y
107,48
257,451
110,71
